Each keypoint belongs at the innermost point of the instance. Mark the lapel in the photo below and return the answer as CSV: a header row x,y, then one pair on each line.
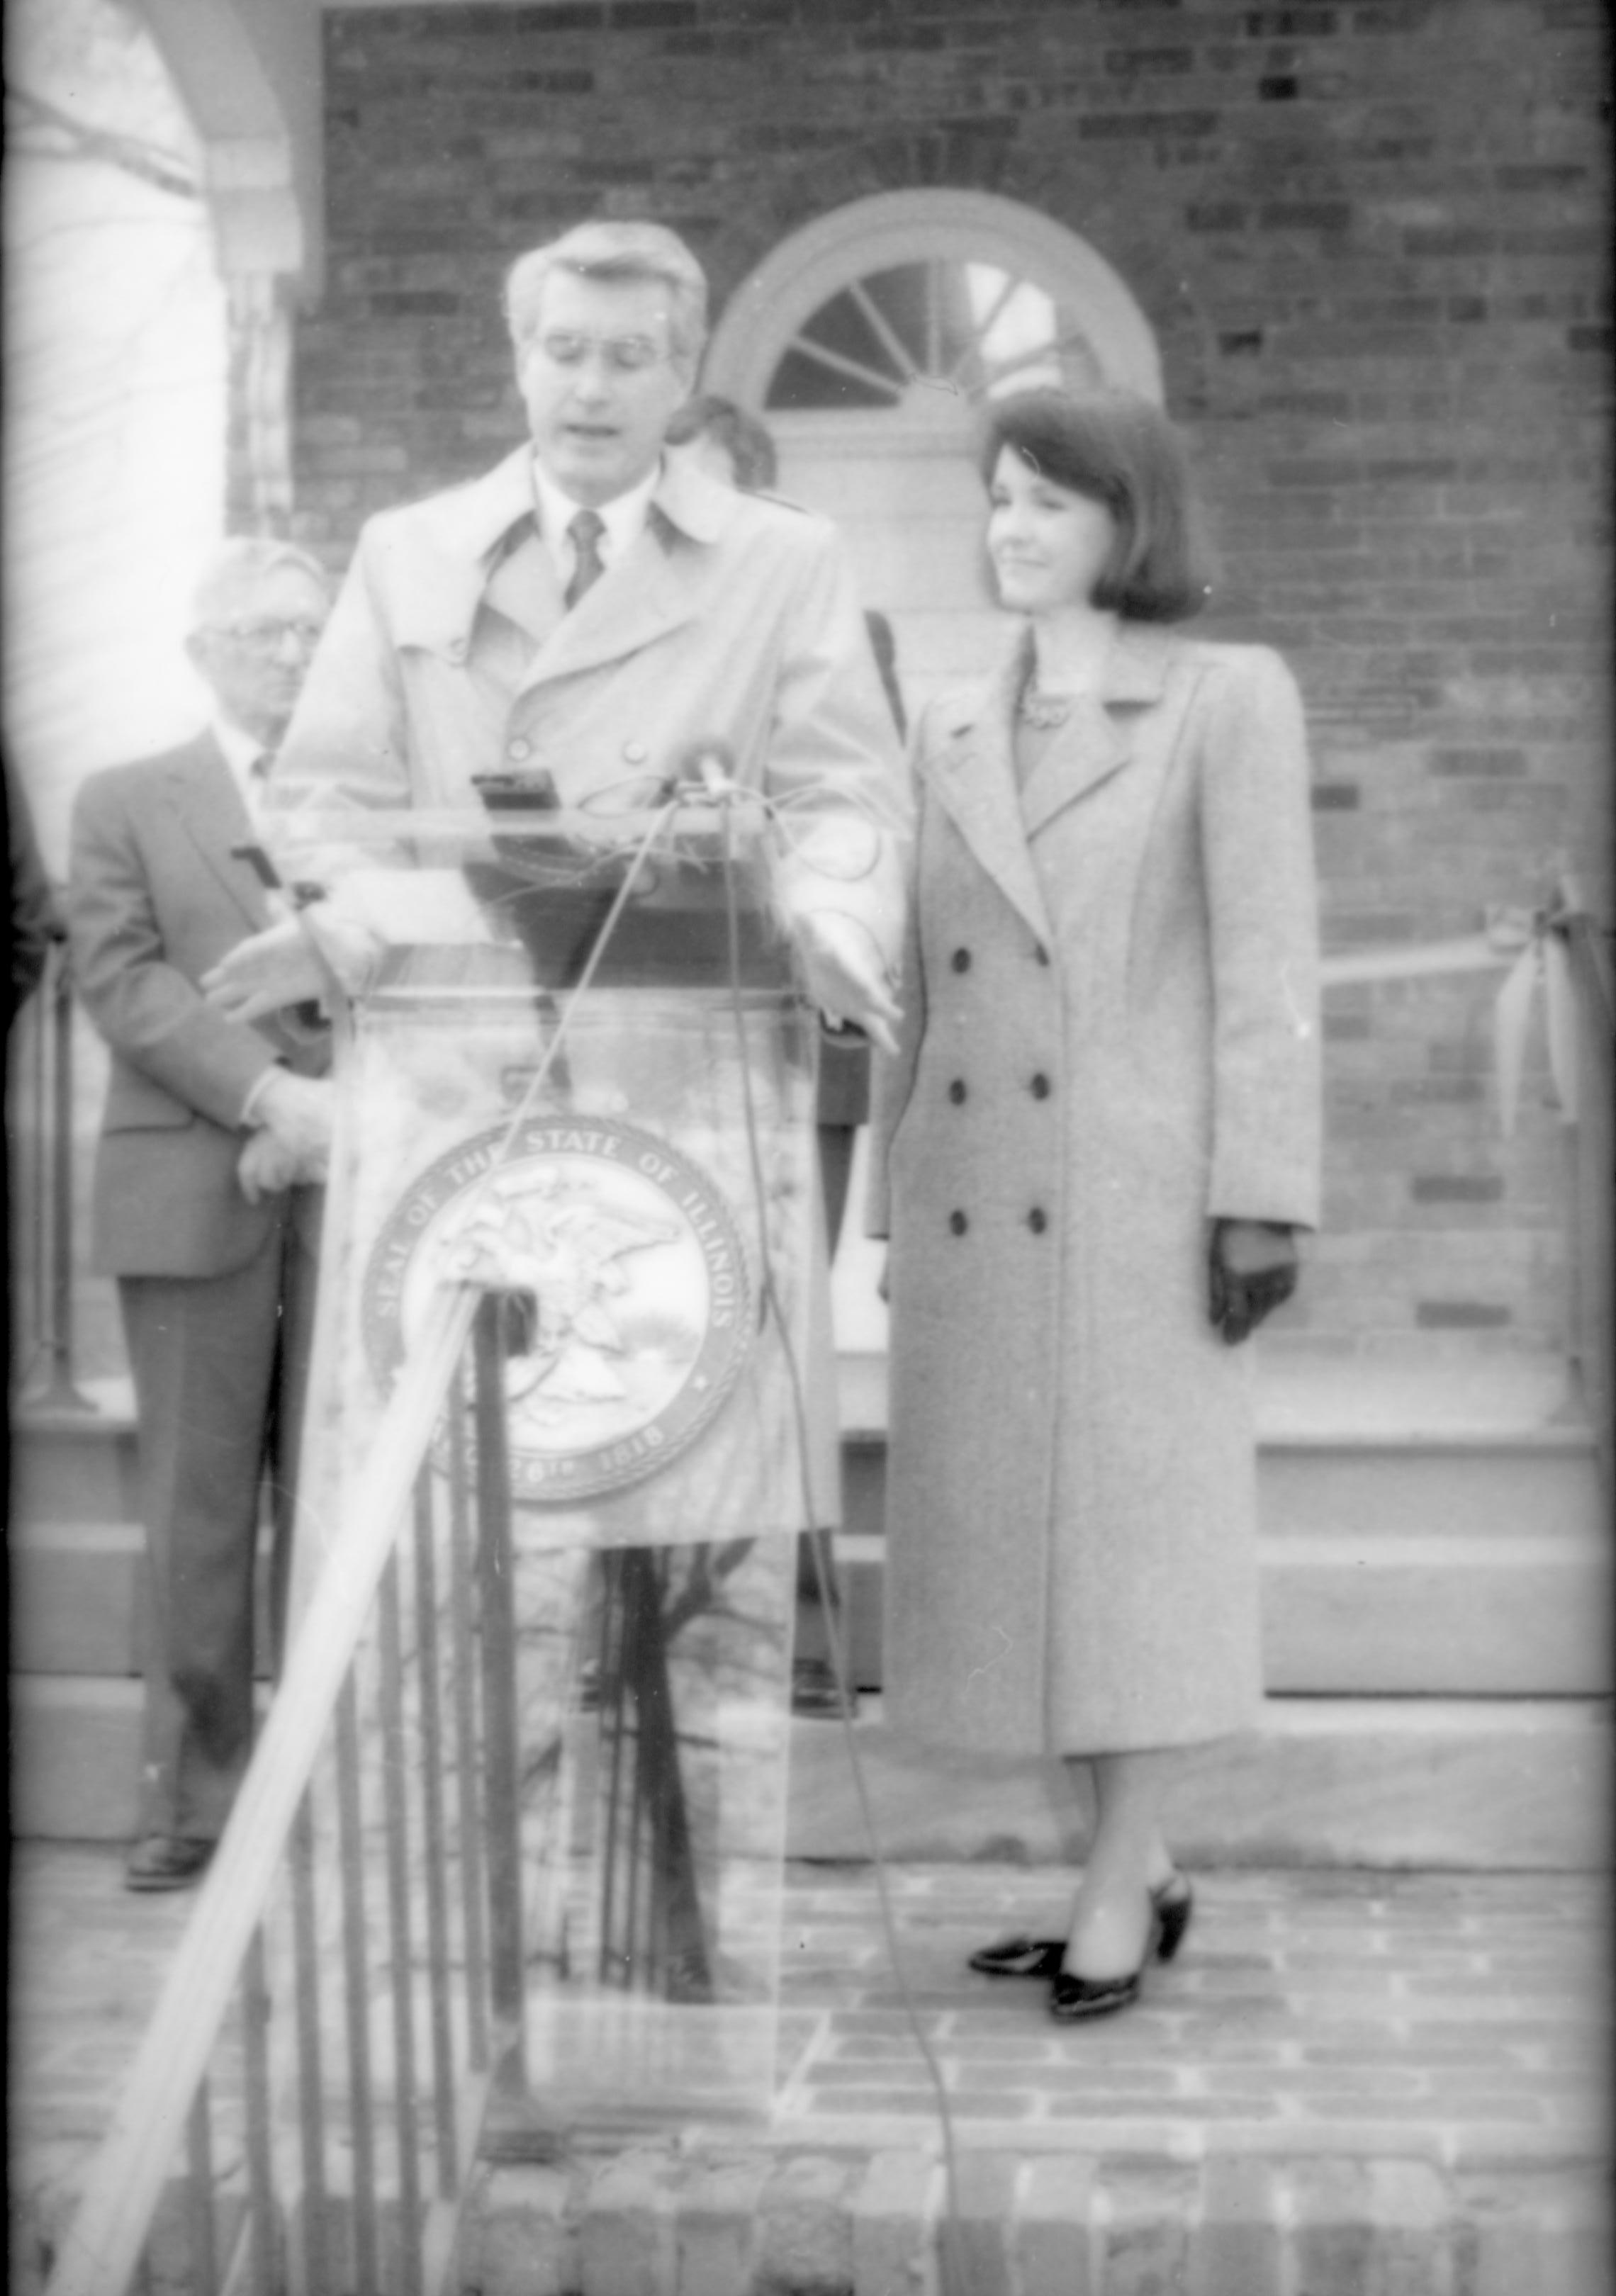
x,y
208,806
655,587
974,777
524,589
1097,740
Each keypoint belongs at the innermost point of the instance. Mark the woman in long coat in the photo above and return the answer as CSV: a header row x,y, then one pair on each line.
x,y
1100,1135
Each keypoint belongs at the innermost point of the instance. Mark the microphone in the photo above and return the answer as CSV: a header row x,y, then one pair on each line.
x,y
708,765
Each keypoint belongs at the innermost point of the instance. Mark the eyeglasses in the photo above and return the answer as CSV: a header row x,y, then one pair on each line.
x,y
623,354
269,636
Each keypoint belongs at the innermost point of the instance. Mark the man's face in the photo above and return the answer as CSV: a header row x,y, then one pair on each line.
x,y
256,656
600,383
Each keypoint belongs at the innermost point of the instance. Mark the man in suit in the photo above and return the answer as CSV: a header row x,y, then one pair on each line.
x,y
598,610
205,1209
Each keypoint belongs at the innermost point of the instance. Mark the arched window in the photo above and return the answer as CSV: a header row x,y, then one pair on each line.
x,y
871,341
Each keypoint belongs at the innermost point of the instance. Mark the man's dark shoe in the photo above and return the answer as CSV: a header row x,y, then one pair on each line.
x,y
814,1690
166,1861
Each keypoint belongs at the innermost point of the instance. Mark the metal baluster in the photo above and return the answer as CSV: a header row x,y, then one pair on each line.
x,y
612,1961
199,2191
435,1845
499,1719
62,1390
311,2080
356,1988
468,1799
398,1933
260,2168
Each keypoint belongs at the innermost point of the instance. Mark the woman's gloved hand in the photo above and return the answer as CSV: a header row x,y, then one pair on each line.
x,y
1252,1270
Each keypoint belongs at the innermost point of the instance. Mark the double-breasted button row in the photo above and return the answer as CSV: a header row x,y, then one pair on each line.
x,y
1039,1086
1037,1220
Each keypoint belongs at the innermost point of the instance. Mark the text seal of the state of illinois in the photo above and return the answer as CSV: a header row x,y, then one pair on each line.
x,y
630,1304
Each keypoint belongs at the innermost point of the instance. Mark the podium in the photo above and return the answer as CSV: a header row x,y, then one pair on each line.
x,y
578,1093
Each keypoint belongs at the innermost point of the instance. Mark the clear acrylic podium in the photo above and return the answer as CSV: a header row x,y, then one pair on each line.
x,y
580,1088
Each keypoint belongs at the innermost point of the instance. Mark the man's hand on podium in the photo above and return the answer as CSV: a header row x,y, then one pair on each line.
x,y
292,963
846,977
294,1114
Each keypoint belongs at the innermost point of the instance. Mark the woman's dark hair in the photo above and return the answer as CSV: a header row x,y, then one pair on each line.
x,y
1121,450
743,437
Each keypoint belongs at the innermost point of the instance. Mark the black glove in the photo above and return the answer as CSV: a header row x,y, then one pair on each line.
x,y
1252,1270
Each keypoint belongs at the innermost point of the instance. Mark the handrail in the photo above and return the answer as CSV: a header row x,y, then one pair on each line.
x,y
102,2248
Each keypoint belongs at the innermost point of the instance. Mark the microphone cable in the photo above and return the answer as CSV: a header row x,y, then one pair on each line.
x,y
953,2261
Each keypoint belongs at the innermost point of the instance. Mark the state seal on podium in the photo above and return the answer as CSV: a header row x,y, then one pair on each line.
x,y
628,1309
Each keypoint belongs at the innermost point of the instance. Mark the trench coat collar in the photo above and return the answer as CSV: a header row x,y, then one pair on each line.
x,y
211,815
492,554
653,589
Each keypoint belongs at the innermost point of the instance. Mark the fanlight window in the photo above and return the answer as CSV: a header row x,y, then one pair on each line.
x,y
893,337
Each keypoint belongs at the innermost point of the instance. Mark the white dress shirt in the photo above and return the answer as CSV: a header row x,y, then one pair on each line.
x,y
624,520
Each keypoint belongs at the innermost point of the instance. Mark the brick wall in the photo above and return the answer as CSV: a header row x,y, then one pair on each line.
x,y
1371,242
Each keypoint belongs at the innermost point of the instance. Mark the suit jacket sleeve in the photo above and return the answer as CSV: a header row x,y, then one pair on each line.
x,y
1257,853
833,757
349,740
148,1010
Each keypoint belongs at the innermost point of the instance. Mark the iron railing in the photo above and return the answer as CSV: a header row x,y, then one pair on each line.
x,y
305,2105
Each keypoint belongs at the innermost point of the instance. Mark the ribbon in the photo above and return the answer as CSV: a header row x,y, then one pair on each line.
x,y
1525,941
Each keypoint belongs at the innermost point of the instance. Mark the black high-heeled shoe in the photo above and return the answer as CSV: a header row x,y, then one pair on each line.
x,y
1174,1901
1073,1998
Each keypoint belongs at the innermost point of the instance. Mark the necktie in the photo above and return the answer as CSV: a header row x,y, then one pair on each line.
x,y
586,530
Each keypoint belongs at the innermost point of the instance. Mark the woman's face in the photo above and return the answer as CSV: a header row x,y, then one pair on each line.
x,y
1049,546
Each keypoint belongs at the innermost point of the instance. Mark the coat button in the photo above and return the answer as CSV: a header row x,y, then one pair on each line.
x,y
962,960
957,1091
456,649
1041,953
957,1222
1037,1220
635,752
519,748
1039,1086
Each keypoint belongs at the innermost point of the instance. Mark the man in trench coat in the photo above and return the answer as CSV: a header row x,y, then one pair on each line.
x,y
481,631
212,1132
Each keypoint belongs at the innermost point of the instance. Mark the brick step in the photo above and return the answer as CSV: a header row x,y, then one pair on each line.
x,y
753,2221
1349,2083
1499,1785
1025,2223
